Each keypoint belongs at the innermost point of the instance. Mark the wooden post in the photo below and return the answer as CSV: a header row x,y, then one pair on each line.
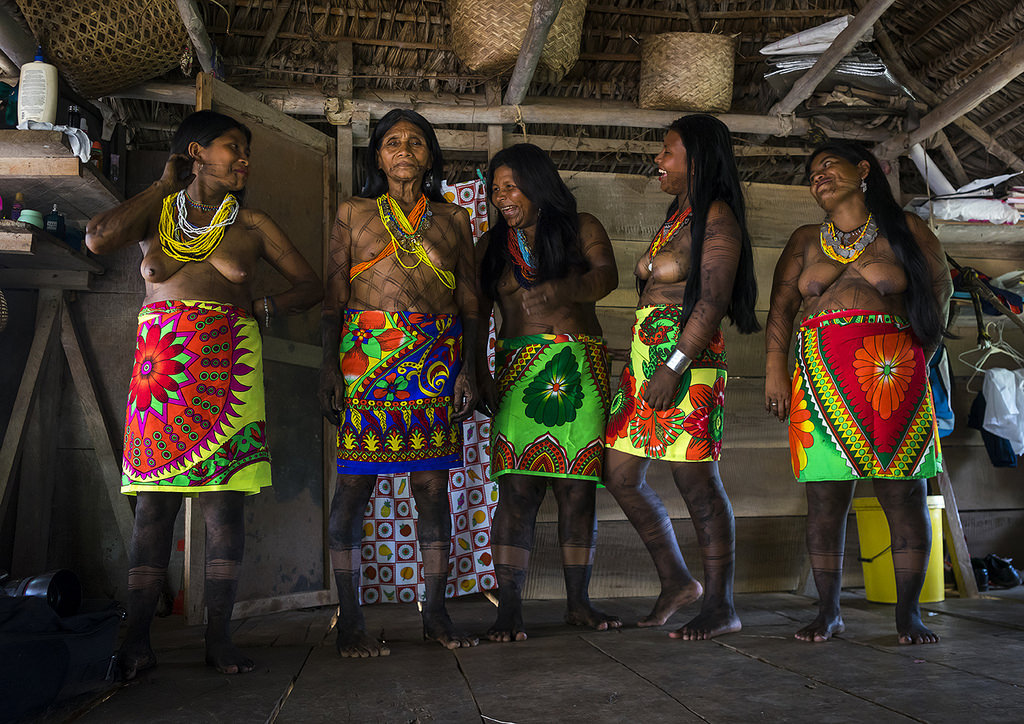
x,y
543,15
839,49
107,460
47,311
954,532
197,33
344,133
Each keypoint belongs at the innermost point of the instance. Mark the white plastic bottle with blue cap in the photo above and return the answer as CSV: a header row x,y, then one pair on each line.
x,y
37,91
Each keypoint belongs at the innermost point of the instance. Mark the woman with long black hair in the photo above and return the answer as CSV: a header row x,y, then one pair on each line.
x,y
873,301
669,404
545,265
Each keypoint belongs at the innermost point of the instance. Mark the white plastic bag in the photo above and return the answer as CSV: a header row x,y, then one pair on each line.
x,y
1004,405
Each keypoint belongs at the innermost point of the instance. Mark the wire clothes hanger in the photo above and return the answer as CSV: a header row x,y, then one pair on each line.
x,y
988,347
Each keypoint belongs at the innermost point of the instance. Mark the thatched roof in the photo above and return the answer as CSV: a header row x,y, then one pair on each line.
x,y
934,47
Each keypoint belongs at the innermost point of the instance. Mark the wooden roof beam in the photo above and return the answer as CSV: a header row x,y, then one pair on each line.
x,y
694,12
963,101
275,25
472,108
903,75
838,50
543,15
15,42
197,33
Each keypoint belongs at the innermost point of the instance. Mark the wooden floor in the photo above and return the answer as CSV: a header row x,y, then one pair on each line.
x,y
563,674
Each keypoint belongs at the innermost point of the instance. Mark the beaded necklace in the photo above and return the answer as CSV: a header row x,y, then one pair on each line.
x,y
524,267
669,229
411,230
196,205
837,244
184,241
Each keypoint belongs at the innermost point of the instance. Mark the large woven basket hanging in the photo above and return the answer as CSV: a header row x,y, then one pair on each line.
x,y
102,46
687,72
487,35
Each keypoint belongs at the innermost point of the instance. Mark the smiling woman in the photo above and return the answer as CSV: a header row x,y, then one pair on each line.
x,y
873,287
195,416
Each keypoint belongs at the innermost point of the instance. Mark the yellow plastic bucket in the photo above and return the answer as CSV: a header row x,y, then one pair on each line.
x,y
876,556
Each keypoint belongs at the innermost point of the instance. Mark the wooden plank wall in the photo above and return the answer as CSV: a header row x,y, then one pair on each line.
x,y
768,504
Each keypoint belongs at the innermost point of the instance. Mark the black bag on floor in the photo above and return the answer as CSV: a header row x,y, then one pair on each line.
x,y
45,658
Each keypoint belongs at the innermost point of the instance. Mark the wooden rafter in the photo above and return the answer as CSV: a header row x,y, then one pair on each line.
x,y
963,101
903,75
275,25
543,15
197,33
838,50
15,43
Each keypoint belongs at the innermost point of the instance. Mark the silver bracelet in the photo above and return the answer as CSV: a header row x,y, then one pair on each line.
x,y
678,361
266,313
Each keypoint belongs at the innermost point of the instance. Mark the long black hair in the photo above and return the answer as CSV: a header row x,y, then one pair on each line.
x,y
925,317
556,247
711,176
376,182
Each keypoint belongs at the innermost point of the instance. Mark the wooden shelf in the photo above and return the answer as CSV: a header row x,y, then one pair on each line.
x,y
981,239
41,166
30,258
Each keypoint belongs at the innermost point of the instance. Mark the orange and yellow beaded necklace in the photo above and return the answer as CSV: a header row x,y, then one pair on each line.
x,y
669,229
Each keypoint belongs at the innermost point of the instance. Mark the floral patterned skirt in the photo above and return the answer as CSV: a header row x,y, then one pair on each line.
x,y
690,430
400,370
553,405
861,405
195,420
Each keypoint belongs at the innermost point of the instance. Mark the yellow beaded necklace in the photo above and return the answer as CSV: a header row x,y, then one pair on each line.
x,y
185,242
391,214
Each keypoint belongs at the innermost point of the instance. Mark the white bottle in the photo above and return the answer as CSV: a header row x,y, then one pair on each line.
x,y
37,91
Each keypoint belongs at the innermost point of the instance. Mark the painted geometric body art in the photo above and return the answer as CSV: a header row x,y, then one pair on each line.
x,y
400,370
861,405
691,429
195,419
553,405
391,569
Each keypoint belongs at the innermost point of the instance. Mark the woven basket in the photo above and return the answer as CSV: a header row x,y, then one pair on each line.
x,y
102,46
487,35
687,72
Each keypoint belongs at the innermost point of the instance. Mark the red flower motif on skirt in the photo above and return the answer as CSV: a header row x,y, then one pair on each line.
x,y
654,430
705,423
154,365
622,407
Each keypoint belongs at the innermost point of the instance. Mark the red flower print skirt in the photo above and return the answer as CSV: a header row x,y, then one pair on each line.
x,y
861,405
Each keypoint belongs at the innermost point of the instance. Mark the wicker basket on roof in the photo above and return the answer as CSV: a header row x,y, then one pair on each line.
x,y
487,35
102,46
687,72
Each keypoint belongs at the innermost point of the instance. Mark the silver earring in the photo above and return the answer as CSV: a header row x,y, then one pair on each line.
x,y
863,186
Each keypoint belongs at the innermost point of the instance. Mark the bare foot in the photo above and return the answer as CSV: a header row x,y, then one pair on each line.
x,y
821,629
586,615
355,643
227,659
670,601
508,626
915,632
134,658
708,624
438,627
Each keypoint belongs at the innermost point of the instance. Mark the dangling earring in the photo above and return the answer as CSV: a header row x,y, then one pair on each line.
x,y
863,186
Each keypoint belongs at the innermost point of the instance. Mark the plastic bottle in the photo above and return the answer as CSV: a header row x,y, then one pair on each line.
x,y
53,222
74,117
17,206
96,156
37,91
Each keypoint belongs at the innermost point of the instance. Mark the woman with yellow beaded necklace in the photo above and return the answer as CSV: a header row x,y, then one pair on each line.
x,y
399,319
195,420
871,286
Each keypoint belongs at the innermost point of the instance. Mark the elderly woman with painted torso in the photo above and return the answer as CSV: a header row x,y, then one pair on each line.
x,y
873,302
195,420
398,321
